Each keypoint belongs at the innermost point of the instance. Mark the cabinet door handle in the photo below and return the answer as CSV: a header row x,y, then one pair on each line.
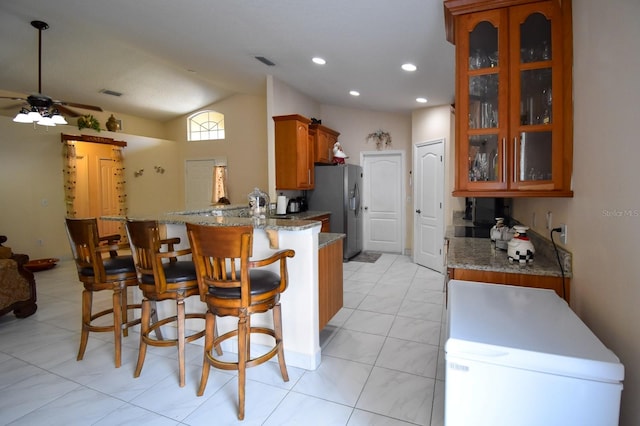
x,y
504,159
515,158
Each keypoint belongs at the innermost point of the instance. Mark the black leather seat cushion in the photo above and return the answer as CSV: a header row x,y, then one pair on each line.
x,y
113,265
262,281
175,272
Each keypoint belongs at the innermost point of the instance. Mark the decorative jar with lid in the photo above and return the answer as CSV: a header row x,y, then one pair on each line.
x,y
520,249
259,204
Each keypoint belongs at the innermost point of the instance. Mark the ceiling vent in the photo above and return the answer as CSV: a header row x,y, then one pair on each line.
x,y
265,61
111,92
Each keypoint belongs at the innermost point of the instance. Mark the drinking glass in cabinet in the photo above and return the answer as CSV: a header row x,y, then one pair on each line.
x,y
483,158
535,39
535,156
483,46
536,97
483,101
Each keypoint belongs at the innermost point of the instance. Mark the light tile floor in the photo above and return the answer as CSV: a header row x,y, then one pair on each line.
x,y
382,363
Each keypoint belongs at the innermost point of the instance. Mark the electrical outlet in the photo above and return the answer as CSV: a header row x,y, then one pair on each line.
x,y
563,233
533,219
549,221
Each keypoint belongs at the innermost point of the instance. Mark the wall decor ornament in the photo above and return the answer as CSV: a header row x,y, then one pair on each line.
x,y
88,122
381,138
113,124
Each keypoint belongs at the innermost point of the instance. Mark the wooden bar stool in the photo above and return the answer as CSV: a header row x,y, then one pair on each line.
x,y
161,276
99,271
233,285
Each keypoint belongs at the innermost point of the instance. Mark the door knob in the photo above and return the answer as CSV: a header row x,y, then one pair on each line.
x,y
418,211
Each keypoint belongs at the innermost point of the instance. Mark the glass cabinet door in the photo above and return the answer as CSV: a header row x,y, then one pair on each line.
x,y
533,153
485,108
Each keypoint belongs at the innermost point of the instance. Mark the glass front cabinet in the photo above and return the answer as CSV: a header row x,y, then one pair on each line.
x,y
513,97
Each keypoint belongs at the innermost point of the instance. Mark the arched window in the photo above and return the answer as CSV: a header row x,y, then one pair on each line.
x,y
205,125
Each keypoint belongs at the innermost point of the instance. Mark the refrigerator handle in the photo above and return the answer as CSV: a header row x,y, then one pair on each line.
x,y
356,199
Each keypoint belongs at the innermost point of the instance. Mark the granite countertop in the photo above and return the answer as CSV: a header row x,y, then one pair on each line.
x,y
481,254
326,238
225,217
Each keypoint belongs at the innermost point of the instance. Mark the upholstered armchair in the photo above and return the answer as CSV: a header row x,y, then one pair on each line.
x,y
17,284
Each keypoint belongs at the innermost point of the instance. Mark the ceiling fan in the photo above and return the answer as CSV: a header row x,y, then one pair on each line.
x,y
43,109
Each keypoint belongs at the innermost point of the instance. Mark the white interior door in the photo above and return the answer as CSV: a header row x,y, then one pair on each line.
x,y
428,233
382,200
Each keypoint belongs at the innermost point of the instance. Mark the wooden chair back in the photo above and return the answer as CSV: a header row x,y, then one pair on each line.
x,y
88,247
221,255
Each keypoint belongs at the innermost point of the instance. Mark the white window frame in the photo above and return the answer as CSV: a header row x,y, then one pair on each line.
x,y
205,126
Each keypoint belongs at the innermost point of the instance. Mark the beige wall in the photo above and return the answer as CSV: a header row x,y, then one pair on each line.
x,y
31,183
603,217
244,146
439,123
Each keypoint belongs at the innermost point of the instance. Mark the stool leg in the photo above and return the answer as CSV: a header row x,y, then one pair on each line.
x,y
144,333
87,299
181,345
210,326
277,324
243,352
154,319
215,336
124,304
117,323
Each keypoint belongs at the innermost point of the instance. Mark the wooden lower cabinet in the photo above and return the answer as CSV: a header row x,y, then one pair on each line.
x,y
326,222
330,291
524,280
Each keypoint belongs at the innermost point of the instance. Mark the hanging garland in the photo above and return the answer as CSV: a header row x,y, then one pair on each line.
x,y
381,138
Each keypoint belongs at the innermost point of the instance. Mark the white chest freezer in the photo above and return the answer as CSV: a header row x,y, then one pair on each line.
x,y
519,356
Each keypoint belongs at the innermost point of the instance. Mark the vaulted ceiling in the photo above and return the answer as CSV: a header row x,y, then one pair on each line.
x,y
169,57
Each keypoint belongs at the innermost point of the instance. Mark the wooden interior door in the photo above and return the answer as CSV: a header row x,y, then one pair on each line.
x,y
96,194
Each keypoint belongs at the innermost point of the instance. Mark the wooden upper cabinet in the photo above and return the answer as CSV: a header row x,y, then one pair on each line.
x,y
294,153
514,123
323,140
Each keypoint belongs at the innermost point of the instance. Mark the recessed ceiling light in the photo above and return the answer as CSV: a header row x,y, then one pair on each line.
x,y
421,100
354,93
319,61
409,67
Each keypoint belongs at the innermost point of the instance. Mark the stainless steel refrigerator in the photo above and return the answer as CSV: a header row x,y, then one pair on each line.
x,y
337,190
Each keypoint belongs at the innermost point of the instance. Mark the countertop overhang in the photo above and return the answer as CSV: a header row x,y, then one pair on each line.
x,y
226,217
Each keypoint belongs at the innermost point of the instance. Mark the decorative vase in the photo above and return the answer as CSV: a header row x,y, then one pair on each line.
x,y
112,124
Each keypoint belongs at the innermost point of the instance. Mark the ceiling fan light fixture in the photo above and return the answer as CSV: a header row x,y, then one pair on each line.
x,y
46,121
42,108
23,116
34,115
58,118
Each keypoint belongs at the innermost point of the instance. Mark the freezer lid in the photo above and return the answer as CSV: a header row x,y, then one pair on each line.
x,y
525,328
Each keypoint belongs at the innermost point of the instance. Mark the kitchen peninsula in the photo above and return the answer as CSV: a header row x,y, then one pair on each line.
x,y
300,302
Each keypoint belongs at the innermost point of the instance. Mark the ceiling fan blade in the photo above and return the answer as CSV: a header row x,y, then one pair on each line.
x,y
77,105
13,105
66,111
14,98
